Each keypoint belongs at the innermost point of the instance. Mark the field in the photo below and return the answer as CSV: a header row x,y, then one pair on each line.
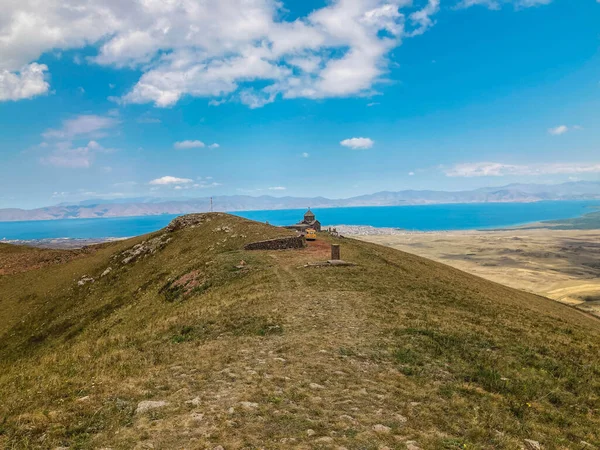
x,y
560,264
182,339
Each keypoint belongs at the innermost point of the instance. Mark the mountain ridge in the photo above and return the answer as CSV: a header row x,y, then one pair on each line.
x,y
149,206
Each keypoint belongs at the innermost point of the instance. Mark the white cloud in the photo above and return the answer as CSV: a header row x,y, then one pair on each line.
x,y
83,126
492,169
561,129
29,82
277,188
189,144
359,143
215,145
168,180
372,104
423,17
217,102
497,4
531,3
217,48
410,174
307,155
491,4
64,155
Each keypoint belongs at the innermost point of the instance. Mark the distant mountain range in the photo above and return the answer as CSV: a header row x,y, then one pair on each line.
x,y
149,206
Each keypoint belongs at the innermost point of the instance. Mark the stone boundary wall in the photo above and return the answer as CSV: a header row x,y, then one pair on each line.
x,y
277,244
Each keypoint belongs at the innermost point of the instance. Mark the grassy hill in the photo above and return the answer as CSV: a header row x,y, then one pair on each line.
x,y
171,341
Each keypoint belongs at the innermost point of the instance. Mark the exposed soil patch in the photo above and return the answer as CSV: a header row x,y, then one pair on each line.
x,y
185,285
190,281
17,259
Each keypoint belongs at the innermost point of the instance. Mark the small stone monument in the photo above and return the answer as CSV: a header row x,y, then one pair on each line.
x,y
335,252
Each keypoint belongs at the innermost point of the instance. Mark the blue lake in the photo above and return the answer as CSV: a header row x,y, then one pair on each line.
x,y
418,218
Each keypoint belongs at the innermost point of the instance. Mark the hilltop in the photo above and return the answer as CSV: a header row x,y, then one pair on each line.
x,y
150,206
183,339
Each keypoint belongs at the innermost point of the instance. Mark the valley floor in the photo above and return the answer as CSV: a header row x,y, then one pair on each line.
x,y
560,264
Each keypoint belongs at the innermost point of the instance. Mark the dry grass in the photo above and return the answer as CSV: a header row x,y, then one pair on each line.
x,y
276,355
560,264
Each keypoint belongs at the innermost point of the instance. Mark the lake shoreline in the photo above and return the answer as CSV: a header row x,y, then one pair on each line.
x,y
465,218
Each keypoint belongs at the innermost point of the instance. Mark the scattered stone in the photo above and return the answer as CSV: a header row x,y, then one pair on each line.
x,y
381,429
532,445
218,447
197,416
310,432
400,418
147,405
190,221
249,405
324,439
348,418
586,445
316,386
195,401
85,280
145,248
412,445
83,399
106,272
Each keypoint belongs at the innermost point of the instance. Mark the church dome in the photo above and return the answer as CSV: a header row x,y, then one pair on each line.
x,y
309,216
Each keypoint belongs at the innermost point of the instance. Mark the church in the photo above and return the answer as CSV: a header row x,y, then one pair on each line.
x,y
309,221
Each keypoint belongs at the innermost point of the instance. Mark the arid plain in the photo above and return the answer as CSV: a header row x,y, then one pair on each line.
x,y
560,264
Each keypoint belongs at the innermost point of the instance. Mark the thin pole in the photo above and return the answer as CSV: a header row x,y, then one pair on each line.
x,y
211,205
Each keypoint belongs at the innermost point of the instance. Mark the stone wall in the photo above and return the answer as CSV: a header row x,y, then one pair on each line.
x,y
277,244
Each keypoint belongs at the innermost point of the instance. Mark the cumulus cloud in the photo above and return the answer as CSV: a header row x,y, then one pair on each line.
x,y
64,155
29,82
493,169
307,155
169,180
359,143
215,145
83,126
184,145
277,188
219,48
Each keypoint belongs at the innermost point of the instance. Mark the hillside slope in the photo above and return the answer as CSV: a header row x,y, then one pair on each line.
x,y
182,345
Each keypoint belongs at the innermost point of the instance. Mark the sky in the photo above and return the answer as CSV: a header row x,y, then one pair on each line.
x,y
192,98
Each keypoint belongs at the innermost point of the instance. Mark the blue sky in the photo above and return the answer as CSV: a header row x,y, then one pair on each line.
x,y
108,99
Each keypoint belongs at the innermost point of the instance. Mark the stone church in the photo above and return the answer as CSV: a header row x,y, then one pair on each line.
x,y
309,221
